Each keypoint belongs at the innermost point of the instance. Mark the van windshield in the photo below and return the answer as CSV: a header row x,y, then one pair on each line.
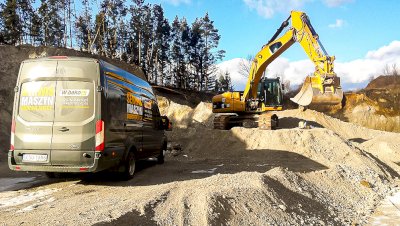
x,y
60,101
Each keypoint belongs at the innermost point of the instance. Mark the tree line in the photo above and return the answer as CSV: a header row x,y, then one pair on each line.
x,y
178,53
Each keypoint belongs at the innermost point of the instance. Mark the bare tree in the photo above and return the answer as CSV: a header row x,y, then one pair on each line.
x,y
391,70
395,70
386,70
285,82
245,66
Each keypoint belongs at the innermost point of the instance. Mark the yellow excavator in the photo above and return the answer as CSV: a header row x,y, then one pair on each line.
x,y
254,106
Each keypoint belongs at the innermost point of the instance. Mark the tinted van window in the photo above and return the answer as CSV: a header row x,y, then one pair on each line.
x,y
36,101
74,101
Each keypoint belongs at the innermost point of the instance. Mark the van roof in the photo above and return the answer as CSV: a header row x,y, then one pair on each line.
x,y
61,58
144,84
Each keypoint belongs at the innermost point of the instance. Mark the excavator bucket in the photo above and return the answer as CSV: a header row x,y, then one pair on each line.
x,y
309,95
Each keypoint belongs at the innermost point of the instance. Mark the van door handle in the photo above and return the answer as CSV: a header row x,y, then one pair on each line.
x,y
64,129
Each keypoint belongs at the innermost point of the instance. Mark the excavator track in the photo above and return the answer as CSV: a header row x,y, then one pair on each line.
x,y
221,122
264,121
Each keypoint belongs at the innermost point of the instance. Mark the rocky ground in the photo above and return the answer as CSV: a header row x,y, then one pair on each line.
x,y
332,173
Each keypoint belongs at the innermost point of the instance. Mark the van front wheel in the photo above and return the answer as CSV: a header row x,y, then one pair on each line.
x,y
130,167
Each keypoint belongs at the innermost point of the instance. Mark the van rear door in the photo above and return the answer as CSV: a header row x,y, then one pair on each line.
x,y
34,122
55,113
73,138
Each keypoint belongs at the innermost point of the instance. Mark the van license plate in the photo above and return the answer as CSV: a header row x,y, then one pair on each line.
x,y
34,158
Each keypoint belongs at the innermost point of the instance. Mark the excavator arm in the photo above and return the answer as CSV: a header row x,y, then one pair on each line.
x,y
323,87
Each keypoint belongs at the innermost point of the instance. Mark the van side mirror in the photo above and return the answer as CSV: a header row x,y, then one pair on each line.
x,y
283,87
166,123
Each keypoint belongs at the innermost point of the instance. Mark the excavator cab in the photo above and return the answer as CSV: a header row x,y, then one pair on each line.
x,y
270,92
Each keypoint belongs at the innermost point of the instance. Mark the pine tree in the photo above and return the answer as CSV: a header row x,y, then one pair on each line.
x,y
196,58
133,47
223,83
25,13
147,41
160,45
35,29
114,10
211,40
100,32
2,28
84,28
12,25
52,23
179,52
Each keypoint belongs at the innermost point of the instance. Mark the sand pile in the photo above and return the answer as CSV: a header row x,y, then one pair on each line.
x,y
183,116
334,173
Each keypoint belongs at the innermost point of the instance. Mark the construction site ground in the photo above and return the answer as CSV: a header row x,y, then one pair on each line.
x,y
334,172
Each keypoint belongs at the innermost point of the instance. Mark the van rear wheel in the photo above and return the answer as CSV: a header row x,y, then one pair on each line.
x,y
160,157
130,167
50,175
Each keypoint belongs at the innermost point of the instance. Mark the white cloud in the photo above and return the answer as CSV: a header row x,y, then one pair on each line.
x,y
338,24
353,72
268,8
336,3
177,2
391,51
232,66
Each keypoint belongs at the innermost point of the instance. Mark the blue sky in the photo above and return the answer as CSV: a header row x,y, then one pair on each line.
x,y
348,29
367,24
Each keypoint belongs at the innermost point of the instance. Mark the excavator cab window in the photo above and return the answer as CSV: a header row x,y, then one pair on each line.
x,y
274,47
270,92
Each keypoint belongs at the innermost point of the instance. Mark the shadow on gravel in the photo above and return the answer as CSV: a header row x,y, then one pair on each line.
x,y
358,140
291,123
181,169
299,203
131,218
390,172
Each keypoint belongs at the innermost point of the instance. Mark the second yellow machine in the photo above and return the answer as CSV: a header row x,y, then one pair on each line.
x,y
253,106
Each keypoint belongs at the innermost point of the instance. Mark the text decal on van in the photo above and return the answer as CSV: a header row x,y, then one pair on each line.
x,y
147,110
75,98
134,107
38,100
74,92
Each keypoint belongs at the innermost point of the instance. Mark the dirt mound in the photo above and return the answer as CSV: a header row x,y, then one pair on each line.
x,y
183,116
330,174
376,109
384,82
